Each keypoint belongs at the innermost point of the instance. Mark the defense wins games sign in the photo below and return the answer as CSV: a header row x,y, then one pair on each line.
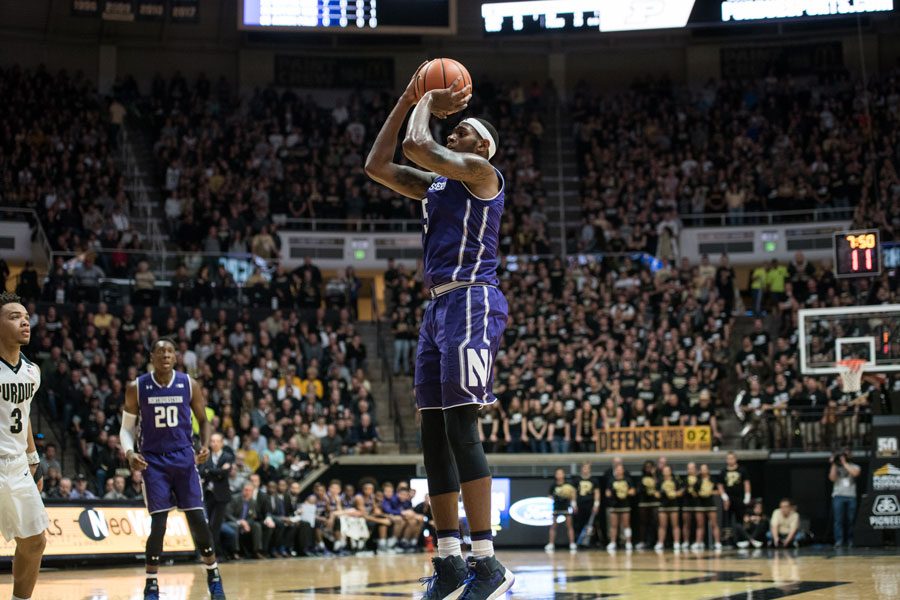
x,y
652,439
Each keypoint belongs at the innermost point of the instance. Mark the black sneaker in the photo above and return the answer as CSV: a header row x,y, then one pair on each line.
x,y
448,580
487,579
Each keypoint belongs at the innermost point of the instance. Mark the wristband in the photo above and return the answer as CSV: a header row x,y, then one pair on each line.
x,y
33,457
724,497
596,505
746,498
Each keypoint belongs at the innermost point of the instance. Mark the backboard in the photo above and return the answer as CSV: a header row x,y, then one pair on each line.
x,y
870,333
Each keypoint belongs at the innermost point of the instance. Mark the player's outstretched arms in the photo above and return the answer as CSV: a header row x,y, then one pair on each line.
x,y
380,165
129,422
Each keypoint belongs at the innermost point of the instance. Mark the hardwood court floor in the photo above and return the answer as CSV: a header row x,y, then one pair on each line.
x,y
860,575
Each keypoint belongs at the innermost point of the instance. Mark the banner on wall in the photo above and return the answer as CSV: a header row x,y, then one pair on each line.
x,y
86,8
334,72
86,531
652,439
878,519
118,10
151,10
184,11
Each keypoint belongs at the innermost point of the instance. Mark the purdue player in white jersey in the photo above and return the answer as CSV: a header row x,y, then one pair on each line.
x,y
22,513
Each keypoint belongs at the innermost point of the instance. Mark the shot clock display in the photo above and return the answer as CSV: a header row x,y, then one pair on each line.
x,y
857,253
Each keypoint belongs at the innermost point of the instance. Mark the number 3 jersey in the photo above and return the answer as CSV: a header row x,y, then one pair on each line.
x,y
165,413
18,385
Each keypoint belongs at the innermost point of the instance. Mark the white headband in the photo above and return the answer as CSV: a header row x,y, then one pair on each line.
x,y
483,132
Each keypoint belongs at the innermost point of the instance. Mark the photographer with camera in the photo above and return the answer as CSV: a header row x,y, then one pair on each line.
x,y
843,474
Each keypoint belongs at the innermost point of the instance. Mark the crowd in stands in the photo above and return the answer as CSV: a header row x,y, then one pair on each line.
x,y
58,158
287,388
597,344
230,165
734,147
781,407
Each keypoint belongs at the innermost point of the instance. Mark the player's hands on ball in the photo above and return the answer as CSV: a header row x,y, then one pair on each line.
x,y
136,461
450,100
409,94
202,455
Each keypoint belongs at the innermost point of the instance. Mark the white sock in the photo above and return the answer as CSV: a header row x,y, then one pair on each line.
x,y
17,598
215,565
482,548
449,546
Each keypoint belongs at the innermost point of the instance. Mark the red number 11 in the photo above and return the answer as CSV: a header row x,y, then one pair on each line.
x,y
868,259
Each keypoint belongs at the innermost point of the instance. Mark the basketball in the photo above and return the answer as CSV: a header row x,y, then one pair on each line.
x,y
440,73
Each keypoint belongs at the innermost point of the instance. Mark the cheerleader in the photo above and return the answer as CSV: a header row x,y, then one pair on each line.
x,y
689,505
706,509
619,491
648,505
562,495
671,490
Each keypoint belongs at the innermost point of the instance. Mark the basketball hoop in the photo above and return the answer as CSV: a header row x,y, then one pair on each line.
x,y
851,371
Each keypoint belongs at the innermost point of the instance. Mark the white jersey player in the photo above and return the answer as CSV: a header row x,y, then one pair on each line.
x,y
22,513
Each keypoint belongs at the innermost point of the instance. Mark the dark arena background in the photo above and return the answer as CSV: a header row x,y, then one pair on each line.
x,y
699,248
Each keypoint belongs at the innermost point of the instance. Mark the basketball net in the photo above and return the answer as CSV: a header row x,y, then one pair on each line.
x,y
851,371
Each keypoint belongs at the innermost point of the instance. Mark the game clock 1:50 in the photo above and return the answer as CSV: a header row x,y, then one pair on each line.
x,y
856,253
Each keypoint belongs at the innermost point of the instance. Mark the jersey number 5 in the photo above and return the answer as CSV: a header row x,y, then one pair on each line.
x,y
16,416
165,416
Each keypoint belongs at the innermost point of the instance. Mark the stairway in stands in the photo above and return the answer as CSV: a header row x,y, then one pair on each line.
x,y
559,168
144,191
402,390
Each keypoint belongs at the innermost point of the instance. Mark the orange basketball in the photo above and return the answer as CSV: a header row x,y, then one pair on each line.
x,y
439,74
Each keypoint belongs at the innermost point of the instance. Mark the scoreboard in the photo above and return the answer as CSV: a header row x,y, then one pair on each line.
x,y
857,253
414,17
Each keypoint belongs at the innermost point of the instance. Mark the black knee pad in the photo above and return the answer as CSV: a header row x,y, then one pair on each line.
x,y
200,531
461,424
155,539
439,465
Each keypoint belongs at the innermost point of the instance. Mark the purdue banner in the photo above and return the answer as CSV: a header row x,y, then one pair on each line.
x,y
85,531
879,510
651,439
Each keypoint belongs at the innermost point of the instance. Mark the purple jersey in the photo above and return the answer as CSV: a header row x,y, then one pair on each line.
x,y
165,413
461,233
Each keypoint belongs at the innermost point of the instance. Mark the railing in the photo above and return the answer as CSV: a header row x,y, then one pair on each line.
x,y
824,429
38,235
781,217
349,225
387,374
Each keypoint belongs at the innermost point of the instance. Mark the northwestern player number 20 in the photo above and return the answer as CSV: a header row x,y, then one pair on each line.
x,y
165,416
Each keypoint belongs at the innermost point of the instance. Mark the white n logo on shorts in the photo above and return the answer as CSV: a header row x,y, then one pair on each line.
x,y
478,366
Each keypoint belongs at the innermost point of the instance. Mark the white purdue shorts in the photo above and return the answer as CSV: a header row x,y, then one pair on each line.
x,y
22,512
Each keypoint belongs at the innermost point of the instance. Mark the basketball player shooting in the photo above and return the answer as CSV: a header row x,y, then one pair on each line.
x,y
22,513
164,400
462,201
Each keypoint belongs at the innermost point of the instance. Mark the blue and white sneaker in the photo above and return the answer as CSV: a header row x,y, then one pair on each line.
x,y
487,579
151,591
448,581
214,582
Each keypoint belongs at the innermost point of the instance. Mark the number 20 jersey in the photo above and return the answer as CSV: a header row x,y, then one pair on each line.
x,y
18,385
165,413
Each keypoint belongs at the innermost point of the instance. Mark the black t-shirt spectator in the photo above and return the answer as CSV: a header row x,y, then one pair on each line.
x,y
809,404
671,415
